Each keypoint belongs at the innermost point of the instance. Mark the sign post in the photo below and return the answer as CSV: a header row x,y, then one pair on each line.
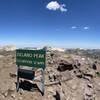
x,y
32,58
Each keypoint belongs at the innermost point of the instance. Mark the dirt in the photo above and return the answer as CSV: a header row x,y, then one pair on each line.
x,y
77,78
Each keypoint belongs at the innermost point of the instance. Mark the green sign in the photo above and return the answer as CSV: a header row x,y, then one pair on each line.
x,y
32,58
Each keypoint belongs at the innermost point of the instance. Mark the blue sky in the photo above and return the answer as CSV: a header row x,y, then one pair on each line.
x,y
60,23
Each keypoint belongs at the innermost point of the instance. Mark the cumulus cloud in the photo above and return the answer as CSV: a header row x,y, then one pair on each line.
x,y
54,5
86,28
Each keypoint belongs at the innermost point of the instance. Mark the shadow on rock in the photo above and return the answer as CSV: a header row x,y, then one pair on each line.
x,y
26,85
57,96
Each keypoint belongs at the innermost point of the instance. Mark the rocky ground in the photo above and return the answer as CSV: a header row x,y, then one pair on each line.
x,y
67,77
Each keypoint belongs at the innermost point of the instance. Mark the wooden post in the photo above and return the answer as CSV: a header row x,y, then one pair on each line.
x,y
41,83
17,87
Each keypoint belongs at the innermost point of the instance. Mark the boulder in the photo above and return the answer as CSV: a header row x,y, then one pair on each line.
x,y
63,66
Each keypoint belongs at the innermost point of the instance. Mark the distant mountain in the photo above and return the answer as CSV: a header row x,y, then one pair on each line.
x,y
92,53
8,48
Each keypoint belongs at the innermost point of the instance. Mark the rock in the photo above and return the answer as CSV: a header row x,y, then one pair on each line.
x,y
13,96
87,78
20,98
52,54
94,66
88,93
89,74
12,75
90,85
73,98
50,97
57,96
78,73
50,89
2,96
64,75
63,66
5,94
1,56
68,97
13,87
51,77
21,91
73,83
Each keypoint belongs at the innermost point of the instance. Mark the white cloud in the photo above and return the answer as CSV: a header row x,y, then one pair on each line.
x,y
73,27
54,5
86,28
62,7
